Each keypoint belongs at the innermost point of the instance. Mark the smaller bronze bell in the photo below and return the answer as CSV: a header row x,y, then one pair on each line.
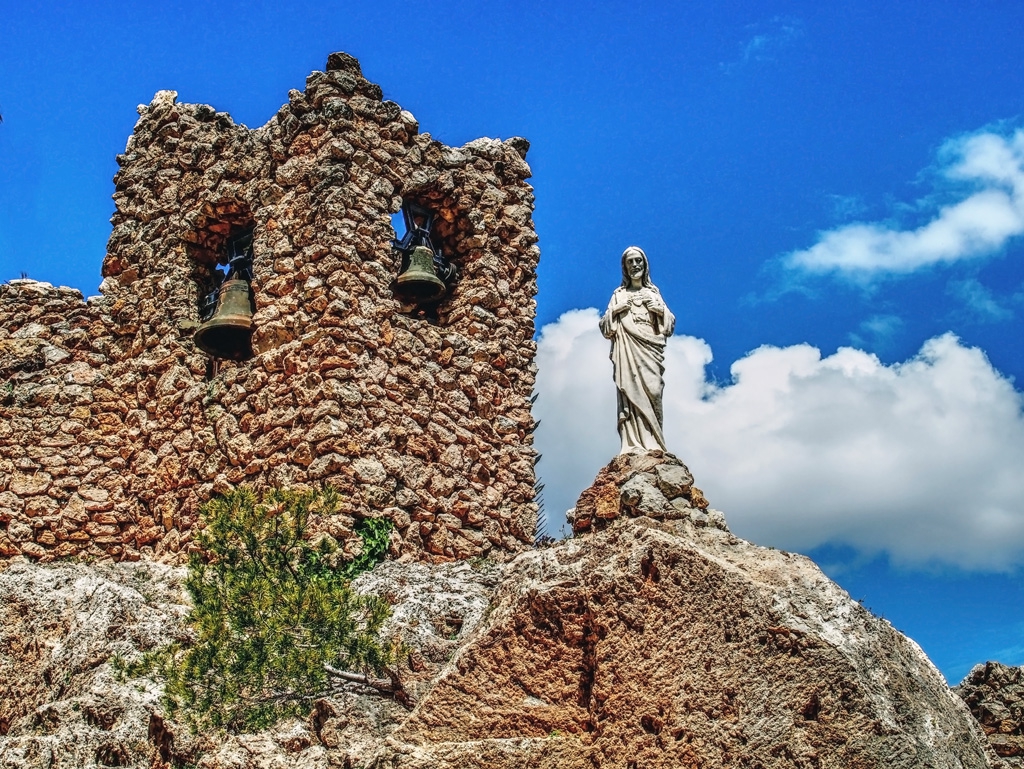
x,y
228,333
419,281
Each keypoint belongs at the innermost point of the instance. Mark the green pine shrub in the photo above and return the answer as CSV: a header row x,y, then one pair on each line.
x,y
272,611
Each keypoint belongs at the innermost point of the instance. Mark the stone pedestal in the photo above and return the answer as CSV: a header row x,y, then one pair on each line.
x,y
655,484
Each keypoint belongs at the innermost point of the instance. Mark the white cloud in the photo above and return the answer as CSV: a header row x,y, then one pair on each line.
x,y
920,459
979,301
846,207
978,225
877,332
772,37
575,394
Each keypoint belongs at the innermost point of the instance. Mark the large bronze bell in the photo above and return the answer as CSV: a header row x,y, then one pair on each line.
x,y
419,281
228,333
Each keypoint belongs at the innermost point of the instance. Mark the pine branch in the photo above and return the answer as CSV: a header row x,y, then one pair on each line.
x,y
391,685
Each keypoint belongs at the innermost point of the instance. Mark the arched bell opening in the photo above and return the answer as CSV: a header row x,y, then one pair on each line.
x,y
225,331
426,275
222,251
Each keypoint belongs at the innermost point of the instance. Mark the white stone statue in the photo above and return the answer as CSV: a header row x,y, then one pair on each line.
x,y
638,322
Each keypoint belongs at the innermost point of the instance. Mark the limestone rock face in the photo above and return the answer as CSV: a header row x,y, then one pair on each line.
x,y
61,703
995,695
647,644
675,644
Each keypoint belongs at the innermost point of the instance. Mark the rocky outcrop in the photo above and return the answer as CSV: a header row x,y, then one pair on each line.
x,y
61,628
674,644
995,695
653,484
650,643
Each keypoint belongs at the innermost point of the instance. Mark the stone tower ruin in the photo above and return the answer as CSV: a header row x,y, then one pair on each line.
x,y
115,428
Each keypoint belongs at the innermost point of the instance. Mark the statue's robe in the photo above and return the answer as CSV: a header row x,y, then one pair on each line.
x,y
638,357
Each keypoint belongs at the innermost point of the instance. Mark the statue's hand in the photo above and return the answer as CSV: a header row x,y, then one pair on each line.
x,y
655,305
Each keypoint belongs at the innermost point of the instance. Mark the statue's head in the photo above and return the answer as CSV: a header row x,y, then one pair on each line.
x,y
634,260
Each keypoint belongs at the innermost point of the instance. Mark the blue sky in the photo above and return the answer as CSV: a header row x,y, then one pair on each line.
x,y
805,177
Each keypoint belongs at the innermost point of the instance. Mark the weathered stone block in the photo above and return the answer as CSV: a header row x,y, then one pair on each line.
x,y
673,480
25,485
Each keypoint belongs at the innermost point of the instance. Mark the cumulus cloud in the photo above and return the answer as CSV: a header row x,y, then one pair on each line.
x,y
991,212
979,301
846,207
919,459
768,40
877,332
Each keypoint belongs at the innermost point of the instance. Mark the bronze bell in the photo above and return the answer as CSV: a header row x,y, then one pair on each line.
x,y
419,281
228,333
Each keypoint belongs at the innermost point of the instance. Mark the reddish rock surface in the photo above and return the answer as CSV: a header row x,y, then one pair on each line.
x,y
674,644
995,695
648,645
653,484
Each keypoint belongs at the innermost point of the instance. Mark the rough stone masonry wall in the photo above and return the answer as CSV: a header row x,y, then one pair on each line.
x,y
114,428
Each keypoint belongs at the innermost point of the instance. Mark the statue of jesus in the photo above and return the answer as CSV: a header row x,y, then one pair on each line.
x,y
638,322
